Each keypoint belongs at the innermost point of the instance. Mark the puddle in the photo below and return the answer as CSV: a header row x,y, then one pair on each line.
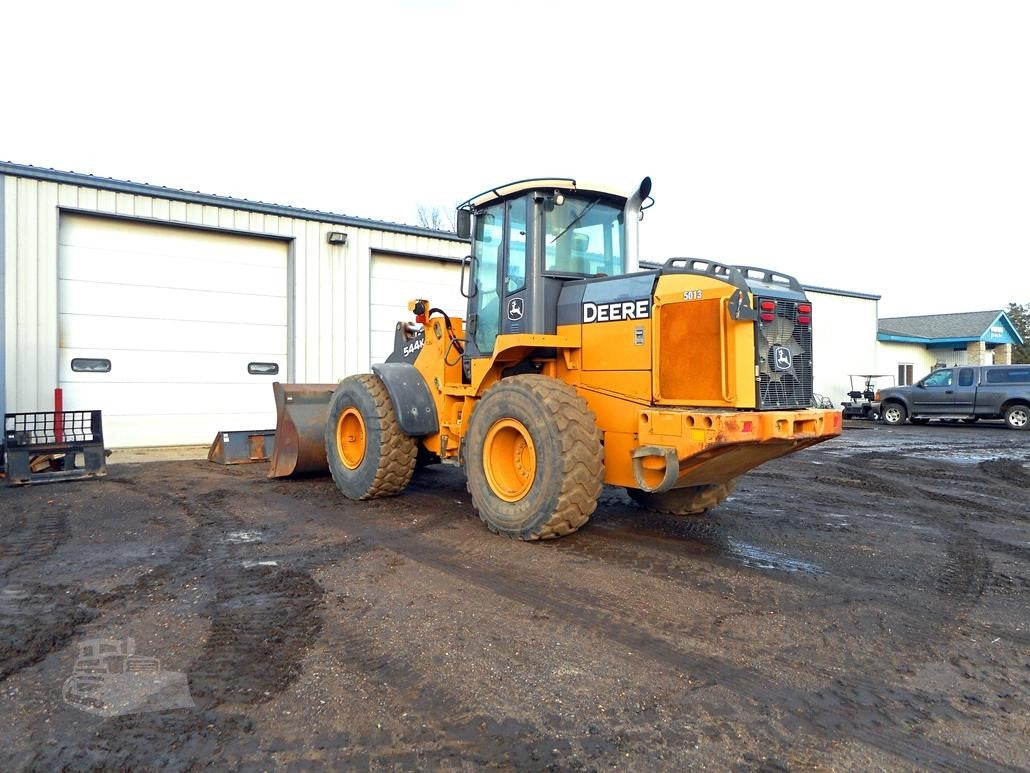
x,y
951,456
238,537
758,558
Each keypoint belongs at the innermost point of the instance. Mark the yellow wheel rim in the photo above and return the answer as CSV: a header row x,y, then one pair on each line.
x,y
509,459
350,438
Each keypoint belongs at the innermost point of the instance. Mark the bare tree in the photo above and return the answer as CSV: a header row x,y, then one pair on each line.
x,y
435,218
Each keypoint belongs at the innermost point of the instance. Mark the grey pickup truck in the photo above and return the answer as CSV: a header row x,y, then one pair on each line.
x,y
966,393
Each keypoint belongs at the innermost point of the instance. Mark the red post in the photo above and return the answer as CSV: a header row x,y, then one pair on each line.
x,y
58,415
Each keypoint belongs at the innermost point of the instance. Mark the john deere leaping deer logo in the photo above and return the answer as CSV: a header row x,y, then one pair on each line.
x,y
515,308
110,679
782,359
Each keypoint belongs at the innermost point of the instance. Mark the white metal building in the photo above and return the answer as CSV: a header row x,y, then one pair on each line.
x,y
843,338
173,311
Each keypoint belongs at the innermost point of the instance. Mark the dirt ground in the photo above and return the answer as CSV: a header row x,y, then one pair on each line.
x,y
862,604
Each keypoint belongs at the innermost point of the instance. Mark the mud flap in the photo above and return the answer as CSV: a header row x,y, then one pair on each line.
x,y
412,401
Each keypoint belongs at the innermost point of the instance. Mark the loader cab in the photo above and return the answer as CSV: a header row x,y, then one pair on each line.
x,y
531,237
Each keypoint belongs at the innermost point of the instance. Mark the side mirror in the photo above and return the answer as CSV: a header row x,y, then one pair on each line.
x,y
464,224
921,385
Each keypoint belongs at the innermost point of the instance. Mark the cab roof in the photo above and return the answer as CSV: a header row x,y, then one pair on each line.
x,y
565,184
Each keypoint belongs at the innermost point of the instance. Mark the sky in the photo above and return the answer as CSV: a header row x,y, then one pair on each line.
x,y
878,147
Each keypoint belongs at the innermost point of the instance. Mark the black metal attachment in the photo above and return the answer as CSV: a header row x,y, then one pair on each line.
x,y
44,446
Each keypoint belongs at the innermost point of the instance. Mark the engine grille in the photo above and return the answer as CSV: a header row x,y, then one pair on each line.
x,y
784,381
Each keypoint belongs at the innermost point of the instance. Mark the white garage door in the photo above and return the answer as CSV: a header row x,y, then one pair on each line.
x,y
191,324
397,279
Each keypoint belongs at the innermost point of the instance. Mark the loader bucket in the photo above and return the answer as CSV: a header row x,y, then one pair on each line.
x,y
301,411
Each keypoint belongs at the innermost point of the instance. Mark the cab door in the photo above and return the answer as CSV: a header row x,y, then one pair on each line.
x,y
965,391
501,300
484,305
935,393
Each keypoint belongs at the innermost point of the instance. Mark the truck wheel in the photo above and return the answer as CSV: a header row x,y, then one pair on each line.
x,y
691,500
534,458
1017,416
893,414
368,454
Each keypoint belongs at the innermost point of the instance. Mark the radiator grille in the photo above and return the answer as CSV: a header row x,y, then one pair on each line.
x,y
784,356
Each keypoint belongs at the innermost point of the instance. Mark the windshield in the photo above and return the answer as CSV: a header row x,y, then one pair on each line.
x,y
583,236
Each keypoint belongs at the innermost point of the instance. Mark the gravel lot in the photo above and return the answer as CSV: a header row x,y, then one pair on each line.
x,y
861,604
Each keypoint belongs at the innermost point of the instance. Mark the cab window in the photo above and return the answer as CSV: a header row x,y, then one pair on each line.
x,y
583,236
488,246
965,377
515,271
939,379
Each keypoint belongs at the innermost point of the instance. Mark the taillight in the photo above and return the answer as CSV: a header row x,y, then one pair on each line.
x,y
767,307
804,313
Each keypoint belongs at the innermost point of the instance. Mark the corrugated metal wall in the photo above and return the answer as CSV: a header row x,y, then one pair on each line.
x,y
330,284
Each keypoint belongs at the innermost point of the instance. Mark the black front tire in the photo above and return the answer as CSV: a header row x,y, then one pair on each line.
x,y
368,455
893,414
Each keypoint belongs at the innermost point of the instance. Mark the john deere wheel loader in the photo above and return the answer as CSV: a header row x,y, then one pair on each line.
x,y
573,368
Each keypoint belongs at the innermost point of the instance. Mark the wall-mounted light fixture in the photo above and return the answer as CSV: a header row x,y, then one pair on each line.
x,y
336,237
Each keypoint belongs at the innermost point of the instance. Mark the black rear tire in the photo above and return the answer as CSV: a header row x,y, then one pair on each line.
x,y
690,500
1017,416
368,455
534,459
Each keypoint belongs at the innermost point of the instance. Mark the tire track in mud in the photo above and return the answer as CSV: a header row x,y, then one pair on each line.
x,y
588,614
589,611
1008,472
928,631
32,537
262,619
437,735
36,619
483,738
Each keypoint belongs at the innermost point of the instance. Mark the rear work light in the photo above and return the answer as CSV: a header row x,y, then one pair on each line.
x,y
768,305
804,308
804,319
767,317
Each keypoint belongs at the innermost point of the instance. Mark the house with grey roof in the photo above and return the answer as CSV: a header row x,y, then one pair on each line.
x,y
913,346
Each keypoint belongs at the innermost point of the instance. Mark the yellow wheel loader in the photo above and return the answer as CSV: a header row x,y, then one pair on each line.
x,y
574,368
